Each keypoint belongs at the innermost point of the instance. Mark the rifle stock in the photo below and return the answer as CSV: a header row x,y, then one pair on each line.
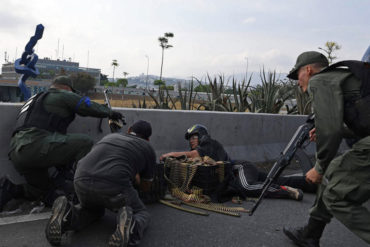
x,y
298,139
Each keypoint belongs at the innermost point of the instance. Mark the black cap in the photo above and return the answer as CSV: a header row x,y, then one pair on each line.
x,y
142,129
308,57
64,80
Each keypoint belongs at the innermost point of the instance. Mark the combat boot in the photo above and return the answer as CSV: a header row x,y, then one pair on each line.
x,y
59,221
307,236
9,191
125,223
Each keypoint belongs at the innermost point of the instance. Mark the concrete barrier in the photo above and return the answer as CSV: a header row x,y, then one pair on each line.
x,y
247,136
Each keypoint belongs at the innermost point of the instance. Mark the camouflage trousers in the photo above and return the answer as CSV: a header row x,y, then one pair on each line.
x,y
54,150
344,190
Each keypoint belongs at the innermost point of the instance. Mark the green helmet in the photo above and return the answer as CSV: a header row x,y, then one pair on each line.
x,y
196,129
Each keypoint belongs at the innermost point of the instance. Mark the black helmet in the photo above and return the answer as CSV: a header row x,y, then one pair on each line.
x,y
196,129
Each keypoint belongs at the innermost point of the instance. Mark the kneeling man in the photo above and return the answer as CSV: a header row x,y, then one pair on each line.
x,y
105,178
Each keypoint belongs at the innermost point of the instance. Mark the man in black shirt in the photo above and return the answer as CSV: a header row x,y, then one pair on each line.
x,y
245,178
105,178
201,144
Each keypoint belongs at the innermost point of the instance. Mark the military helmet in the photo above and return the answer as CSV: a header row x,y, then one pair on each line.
x,y
196,129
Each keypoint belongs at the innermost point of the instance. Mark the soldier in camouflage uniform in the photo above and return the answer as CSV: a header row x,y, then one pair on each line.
x,y
40,140
344,181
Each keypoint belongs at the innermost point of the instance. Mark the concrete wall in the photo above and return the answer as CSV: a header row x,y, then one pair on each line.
x,y
247,136
9,94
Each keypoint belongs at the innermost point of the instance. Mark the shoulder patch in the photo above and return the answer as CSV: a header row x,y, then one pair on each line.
x,y
84,100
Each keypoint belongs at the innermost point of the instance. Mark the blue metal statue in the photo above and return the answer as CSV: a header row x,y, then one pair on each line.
x,y
366,57
26,65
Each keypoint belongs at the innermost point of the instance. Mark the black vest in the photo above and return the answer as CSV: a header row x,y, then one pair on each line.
x,y
33,114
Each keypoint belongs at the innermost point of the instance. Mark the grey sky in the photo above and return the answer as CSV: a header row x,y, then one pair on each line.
x,y
211,36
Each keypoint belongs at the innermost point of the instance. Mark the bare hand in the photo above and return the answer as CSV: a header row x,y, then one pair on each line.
x,y
137,179
313,135
165,156
145,185
312,176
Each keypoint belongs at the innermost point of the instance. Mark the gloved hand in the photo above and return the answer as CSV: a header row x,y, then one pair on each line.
x,y
115,115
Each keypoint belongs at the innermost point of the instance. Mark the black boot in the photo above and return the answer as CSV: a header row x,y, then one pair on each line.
x,y
9,191
308,236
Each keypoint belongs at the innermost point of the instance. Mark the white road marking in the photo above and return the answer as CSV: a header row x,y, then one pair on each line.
x,y
24,218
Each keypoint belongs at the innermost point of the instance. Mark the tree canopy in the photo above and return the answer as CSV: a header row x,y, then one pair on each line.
x,y
122,81
159,83
202,88
82,81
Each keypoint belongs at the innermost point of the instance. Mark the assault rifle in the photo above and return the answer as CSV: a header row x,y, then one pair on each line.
x,y
114,125
298,139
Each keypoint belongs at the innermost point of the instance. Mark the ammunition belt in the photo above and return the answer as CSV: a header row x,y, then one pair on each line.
x,y
179,175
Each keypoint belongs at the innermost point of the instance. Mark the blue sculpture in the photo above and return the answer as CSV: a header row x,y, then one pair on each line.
x,y
366,57
26,65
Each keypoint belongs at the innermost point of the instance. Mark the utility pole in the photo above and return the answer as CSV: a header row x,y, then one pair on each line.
x,y
246,71
147,71
58,51
88,57
246,58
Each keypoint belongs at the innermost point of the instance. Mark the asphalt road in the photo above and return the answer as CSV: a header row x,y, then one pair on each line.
x,y
171,227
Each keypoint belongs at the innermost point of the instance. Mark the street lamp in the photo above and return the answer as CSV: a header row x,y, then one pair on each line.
x,y
246,58
147,70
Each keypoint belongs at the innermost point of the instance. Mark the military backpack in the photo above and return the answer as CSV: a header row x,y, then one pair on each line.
x,y
357,110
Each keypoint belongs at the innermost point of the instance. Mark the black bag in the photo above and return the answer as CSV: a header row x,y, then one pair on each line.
x,y
357,111
360,69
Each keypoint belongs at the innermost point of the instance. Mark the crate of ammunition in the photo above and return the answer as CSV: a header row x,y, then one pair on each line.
x,y
209,177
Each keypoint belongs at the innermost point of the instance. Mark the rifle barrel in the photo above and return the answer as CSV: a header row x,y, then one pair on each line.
x,y
265,187
269,180
106,98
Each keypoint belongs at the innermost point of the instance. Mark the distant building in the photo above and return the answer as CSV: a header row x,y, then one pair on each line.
x,y
9,91
49,68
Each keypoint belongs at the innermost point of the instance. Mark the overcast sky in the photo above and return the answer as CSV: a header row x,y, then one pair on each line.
x,y
211,36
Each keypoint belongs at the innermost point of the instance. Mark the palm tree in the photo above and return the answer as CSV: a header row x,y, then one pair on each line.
x,y
125,74
163,43
114,64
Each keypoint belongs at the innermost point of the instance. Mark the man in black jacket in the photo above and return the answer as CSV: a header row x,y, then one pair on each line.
x,y
105,178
